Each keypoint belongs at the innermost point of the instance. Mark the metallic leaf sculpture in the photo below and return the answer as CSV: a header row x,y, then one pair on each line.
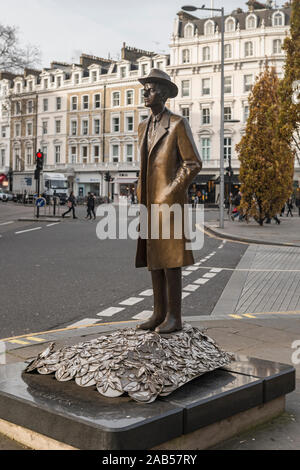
x,y
143,364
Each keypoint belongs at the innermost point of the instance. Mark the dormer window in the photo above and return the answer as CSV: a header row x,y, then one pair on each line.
x,y
278,19
185,56
229,25
251,22
94,76
30,85
46,83
76,78
189,31
18,87
58,82
144,69
123,72
209,28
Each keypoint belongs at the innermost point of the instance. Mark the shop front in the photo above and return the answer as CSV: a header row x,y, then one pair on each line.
x,y
204,188
125,186
85,183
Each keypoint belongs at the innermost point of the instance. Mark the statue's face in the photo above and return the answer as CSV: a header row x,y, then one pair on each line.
x,y
152,95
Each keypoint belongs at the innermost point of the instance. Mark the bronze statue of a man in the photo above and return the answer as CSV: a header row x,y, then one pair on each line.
x,y
169,163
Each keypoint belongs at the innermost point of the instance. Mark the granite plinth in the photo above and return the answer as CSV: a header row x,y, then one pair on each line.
x,y
82,418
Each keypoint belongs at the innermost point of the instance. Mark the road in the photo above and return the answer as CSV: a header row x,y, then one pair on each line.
x,y
55,275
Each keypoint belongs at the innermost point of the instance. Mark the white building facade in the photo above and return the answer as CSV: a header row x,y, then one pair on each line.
x,y
195,65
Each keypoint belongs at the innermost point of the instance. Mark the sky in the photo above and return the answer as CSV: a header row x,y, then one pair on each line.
x,y
63,29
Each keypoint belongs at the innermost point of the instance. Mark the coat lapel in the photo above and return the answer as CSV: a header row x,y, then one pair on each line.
x,y
162,129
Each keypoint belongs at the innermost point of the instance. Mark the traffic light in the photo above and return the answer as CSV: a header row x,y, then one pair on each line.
x,y
39,158
107,176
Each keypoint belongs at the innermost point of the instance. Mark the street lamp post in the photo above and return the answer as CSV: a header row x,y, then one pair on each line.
x,y
222,186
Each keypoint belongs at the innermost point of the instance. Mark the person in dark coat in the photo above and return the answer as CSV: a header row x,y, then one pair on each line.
x,y
290,207
91,206
71,204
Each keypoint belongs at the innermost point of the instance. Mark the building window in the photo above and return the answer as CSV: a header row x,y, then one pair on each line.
x,y
45,153
185,56
277,46
18,107
29,156
45,104
96,126
45,127
205,86
144,69
3,131
227,113
185,111
115,153
248,49
160,65
30,85
205,54
18,130
73,154
228,51
143,117
229,25
129,123
129,97
85,102
115,124
247,83
84,154
129,152
76,78
205,116
74,127
46,83
74,103
251,22
141,95
96,153
123,72
185,88
278,19
227,148
29,128
30,107
116,98
246,113
97,101
57,153
58,82
228,85
188,31
2,157
85,127
94,76
58,103
58,127
205,148
209,28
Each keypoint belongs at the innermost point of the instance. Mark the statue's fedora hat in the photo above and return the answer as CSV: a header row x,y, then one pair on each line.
x,y
157,75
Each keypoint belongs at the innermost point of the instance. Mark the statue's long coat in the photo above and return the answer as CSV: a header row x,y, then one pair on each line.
x,y
166,172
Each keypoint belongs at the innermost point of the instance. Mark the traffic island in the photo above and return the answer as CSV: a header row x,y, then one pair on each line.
x,y
46,414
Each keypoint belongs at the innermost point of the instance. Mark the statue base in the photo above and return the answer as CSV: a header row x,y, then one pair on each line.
x,y
143,364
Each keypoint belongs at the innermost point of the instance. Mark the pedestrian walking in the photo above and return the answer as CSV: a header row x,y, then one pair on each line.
x,y
282,211
91,206
298,203
71,203
290,207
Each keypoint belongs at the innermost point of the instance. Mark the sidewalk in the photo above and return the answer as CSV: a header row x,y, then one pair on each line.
x,y
286,234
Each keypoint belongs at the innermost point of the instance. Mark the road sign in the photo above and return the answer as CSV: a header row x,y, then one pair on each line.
x,y
40,202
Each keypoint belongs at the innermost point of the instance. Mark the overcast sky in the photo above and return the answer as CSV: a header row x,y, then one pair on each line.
x,y
65,28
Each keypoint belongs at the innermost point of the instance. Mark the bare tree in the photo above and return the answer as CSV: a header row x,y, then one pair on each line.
x,y
13,57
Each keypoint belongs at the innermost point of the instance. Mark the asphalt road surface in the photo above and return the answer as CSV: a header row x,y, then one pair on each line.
x,y
57,274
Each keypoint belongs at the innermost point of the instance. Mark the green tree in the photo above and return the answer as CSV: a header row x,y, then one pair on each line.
x,y
289,117
267,163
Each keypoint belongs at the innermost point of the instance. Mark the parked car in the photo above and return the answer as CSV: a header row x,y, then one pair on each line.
x,y
5,195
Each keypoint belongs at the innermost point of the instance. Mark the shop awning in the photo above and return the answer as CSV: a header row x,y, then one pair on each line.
x,y
3,177
203,179
125,180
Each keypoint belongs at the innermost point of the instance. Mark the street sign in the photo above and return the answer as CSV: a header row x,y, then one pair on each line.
x,y
40,202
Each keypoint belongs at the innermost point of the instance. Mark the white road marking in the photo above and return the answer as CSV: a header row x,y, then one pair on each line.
x,y
186,273
109,312
131,301
210,275
7,223
86,321
28,230
147,293
191,287
185,294
201,281
144,315
192,268
54,223
216,270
